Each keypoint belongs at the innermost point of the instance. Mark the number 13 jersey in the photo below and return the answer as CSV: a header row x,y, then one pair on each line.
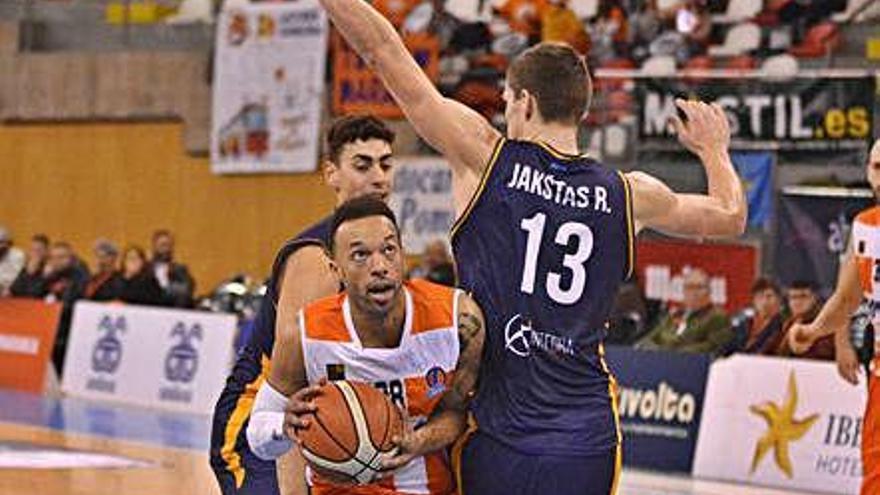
x,y
543,246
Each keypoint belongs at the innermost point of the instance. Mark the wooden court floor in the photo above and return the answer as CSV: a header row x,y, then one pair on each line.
x,y
176,471
174,445
175,449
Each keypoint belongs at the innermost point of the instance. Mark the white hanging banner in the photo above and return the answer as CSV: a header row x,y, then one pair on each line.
x,y
268,88
422,201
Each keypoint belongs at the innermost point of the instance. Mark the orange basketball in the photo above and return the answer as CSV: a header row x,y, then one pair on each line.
x,y
353,425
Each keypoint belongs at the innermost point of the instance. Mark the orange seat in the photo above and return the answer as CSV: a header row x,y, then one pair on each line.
x,y
820,39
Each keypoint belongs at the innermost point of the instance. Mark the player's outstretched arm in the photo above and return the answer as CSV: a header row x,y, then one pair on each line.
x,y
462,135
835,314
449,419
719,213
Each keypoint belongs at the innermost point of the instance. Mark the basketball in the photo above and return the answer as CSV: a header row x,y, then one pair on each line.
x,y
353,425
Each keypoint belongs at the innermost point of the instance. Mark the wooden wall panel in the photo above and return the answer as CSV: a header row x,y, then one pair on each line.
x,y
78,182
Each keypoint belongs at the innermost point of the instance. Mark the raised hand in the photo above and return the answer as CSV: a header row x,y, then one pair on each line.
x,y
706,129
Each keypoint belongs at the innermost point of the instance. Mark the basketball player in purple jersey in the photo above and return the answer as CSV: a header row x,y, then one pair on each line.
x,y
544,237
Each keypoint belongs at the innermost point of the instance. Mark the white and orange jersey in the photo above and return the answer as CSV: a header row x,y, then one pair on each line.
x,y
414,375
866,249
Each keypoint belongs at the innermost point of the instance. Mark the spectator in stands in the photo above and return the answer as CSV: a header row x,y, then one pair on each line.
x,y
139,284
106,283
695,24
31,281
758,329
697,327
629,315
560,23
173,277
12,261
435,255
442,24
691,33
645,26
610,31
66,278
804,304
523,16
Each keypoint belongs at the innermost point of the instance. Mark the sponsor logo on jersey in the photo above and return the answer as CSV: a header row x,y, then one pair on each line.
x,y
435,378
521,339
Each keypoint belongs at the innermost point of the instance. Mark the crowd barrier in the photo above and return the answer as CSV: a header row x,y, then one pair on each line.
x,y
27,335
171,359
786,423
660,404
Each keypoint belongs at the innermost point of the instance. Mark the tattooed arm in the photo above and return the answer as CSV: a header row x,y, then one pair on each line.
x,y
449,418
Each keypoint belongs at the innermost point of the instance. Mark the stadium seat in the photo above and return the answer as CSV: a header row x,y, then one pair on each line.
x,y
698,63
659,65
780,67
820,39
738,11
851,7
667,4
465,10
740,39
741,62
585,9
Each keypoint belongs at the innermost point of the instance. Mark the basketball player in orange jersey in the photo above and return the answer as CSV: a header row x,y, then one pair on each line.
x,y
358,161
544,237
417,341
858,277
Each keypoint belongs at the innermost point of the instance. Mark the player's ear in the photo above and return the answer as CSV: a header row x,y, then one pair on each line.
x,y
531,105
331,173
335,268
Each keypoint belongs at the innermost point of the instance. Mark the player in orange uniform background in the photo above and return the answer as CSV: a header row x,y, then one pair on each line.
x,y
859,277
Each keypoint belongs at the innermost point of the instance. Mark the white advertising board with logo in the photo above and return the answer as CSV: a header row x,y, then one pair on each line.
x,y
785,423
165,358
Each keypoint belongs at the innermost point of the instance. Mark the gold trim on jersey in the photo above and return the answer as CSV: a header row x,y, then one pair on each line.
x,y
483,181
234,424
458,451
558,154
630,226
612,393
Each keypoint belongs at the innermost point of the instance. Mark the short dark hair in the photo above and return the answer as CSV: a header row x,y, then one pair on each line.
x,y
351,128
162,233
763,284
556,75
41,238
357,208
803,284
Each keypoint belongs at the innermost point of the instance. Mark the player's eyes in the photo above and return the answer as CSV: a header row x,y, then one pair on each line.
x,y
359,256
390,250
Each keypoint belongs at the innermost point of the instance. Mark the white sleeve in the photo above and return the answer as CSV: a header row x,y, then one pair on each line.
x,y
265,431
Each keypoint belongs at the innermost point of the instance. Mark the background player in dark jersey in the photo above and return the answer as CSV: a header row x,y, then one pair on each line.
x,y
543,239
358,162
